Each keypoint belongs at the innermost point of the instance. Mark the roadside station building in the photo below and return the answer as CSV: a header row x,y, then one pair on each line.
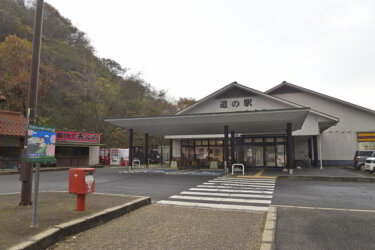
x,y
238,124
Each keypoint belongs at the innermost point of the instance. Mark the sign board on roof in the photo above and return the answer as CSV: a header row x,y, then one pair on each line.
x,y
365,136
40,144
77,137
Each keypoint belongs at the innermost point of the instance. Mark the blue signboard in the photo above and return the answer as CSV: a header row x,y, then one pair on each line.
x,y
41,144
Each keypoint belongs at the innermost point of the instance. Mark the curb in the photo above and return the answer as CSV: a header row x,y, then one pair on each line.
x,y
51,236
325,178
41,170
269,233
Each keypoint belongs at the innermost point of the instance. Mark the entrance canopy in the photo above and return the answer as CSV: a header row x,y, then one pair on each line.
x,y
260,121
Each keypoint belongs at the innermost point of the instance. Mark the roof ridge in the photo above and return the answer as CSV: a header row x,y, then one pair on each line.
x,y
332,98
8,112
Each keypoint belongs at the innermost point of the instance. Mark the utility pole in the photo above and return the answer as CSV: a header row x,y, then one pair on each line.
x,y
26,168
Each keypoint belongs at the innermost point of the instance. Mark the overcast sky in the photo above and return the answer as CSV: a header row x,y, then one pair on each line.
x,y
194,47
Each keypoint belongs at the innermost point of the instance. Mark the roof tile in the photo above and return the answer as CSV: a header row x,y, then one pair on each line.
x,y
12,123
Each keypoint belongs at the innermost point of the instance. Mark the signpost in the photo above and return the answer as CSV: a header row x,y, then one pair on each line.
x,y
40,148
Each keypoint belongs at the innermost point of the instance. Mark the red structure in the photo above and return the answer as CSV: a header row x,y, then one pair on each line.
x,y
81,182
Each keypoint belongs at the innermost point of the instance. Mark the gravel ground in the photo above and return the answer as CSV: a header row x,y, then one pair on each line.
x,y
169,227
53,209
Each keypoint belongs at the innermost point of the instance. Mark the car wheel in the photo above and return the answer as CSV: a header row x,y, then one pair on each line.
x,y
362,167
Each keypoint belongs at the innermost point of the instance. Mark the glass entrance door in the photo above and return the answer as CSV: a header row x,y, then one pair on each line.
x,y
259,157
270,156
263,151
249,157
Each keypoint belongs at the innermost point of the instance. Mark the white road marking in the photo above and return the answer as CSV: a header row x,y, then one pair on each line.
x,y
210,205
239,185
198,198
328,208
242,183
231,190
232,187
245,180
228,195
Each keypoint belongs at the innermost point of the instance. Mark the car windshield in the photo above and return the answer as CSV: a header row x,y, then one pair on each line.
x,y
365,153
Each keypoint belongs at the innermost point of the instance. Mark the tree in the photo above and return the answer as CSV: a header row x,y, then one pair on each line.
x,y
184,102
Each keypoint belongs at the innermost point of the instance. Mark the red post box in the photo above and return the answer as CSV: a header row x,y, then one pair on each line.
x,y
81,182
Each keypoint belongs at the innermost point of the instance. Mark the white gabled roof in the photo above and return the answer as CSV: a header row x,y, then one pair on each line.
x,y
257,92
235,84
287,84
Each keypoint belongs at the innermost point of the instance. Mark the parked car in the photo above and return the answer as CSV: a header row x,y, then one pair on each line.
x,y
361,156
370,164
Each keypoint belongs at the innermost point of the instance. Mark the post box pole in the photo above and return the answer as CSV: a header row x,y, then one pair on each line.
x,y
80,202
34,221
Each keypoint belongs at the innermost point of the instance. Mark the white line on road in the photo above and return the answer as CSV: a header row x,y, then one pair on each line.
x,y
243,183
228,195
328,208
245,180
210,205
234,187
238,185
197,198
231,190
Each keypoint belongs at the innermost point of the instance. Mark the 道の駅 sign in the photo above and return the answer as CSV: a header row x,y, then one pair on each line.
x,y
40,144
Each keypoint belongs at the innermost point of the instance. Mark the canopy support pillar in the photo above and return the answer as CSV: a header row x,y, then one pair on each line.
x,y
226,149
170,152
315,149
290,147
232,148
130,148
146,150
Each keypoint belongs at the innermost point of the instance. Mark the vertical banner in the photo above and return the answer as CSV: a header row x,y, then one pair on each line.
x,y
40,144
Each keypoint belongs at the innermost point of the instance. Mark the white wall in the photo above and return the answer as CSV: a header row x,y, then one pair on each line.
x,y
9,141
350,118
338,145
338,142
309,127
93,155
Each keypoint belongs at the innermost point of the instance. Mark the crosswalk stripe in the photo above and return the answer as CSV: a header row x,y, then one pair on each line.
x,y
221,192
199,198
237,185
228,195
245,180
231,190
210,205
243,183
233,187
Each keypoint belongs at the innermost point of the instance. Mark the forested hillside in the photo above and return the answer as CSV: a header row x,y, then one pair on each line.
x,y
77,90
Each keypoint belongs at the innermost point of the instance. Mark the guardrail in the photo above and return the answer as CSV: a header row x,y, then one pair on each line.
x,y
236,167
136,162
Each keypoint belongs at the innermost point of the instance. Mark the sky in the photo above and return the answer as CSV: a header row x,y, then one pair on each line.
x,y
193,48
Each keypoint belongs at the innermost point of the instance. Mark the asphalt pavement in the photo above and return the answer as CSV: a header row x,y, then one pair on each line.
x,y
350,195
158,186
316,229
324,215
